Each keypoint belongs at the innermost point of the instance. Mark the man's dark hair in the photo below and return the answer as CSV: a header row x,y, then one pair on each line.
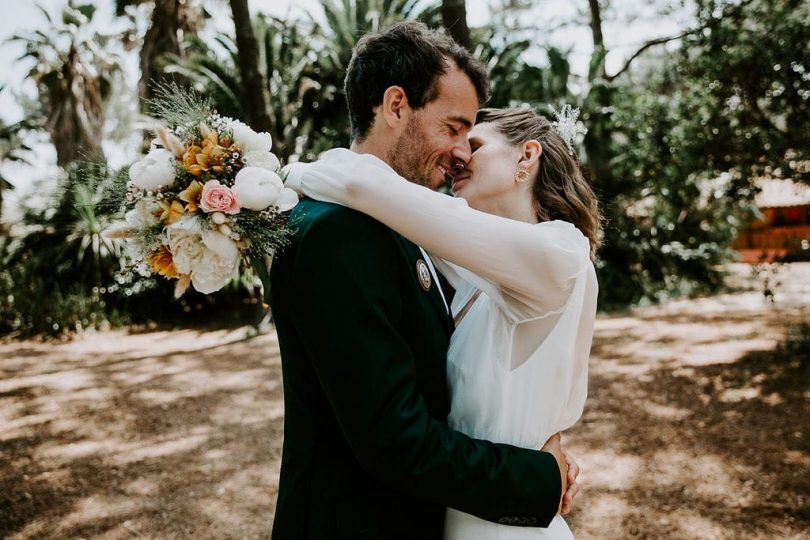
x,y
406,54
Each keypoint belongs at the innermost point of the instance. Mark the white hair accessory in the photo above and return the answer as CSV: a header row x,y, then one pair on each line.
x,y
567,126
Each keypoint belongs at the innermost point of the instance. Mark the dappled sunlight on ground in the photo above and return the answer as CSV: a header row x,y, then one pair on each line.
x,y
169,434
694,429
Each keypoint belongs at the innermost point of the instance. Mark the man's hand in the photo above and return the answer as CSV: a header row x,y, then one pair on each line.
x,y
573,487
554,447
569,471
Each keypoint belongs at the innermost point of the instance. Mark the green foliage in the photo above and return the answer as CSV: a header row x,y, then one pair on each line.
x,y
34,303
67,46
180,107
267,235
53,274
74,73
674,154
212,69
750,70
303,63
12,147
671,220
63,275
64,235
672,147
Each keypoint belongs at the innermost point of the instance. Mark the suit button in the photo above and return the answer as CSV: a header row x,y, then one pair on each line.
x,y
514,520
503,520
531,521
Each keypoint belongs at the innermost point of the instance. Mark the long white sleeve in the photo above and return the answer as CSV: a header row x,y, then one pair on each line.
x,y
534,266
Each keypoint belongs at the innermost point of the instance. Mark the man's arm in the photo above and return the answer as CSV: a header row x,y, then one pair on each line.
x,y
347,311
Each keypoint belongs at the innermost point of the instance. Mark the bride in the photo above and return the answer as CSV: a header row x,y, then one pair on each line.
x,y
516,243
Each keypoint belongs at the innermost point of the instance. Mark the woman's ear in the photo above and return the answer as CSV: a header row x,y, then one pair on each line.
x,y
395,107
530,153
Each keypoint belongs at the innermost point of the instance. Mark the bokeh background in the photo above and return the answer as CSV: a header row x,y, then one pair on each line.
x,y
126,413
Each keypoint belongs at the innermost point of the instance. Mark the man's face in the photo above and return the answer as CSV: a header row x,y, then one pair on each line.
x,y
435,139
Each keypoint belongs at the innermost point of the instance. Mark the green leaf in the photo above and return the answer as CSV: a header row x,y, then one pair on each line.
x,y
88,10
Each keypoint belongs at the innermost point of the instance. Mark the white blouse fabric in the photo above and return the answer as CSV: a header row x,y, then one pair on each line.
x,y
518,361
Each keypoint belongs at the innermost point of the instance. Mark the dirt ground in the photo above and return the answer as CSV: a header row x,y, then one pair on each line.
x,y
695,428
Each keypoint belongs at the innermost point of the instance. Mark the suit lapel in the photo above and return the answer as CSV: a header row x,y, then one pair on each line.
x,y
414,255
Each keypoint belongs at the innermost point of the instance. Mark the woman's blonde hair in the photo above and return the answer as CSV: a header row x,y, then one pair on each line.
x,y
561,189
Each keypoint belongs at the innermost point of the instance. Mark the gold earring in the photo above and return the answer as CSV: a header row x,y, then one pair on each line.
x,y
521,175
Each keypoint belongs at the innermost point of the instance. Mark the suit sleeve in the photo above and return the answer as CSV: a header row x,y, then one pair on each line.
x,y
347,313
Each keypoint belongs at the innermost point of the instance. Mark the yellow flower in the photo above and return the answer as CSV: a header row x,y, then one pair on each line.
x,y
208,157
190,160
162,263
191,196
171,211
213,156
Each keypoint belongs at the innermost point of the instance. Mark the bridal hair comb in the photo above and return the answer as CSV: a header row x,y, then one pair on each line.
x,y
567,126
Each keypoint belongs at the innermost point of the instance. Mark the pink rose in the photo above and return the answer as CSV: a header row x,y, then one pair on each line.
x,y
218,198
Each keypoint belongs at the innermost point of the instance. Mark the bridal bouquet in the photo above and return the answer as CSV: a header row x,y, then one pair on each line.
x,y
206,196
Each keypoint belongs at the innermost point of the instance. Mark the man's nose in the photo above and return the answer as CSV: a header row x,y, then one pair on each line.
x,y
462,151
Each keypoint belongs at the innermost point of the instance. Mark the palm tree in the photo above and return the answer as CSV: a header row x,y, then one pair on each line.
x,y
304,97
64,242
74,78
171,23
347,20
12,148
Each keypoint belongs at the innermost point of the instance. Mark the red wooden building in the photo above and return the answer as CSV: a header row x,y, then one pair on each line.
x,y
785,207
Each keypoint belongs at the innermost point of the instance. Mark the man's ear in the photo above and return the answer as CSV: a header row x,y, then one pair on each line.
x,y
395,108
530,153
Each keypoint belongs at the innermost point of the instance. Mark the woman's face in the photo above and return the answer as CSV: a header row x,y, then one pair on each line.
x,y
489,176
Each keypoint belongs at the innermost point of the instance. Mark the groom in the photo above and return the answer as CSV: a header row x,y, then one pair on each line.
x,y
363,326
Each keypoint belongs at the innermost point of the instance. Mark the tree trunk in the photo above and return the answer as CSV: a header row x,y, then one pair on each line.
x,y
170,19
596,30
2,187
596,23
252,82
454,17
75,112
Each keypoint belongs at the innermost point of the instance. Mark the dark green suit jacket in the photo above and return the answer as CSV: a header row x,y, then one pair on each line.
x,y
367,450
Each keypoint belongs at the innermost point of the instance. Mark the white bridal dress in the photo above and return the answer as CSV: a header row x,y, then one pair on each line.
x,y
518,359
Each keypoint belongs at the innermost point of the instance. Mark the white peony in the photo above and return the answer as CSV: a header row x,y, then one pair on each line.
x,y
155,170
209,257
143,214
249,140
185,243
264,160
287,200
140,217
257,188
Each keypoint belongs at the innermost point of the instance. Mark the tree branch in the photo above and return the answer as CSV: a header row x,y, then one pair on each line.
x,y
647,45
733,11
